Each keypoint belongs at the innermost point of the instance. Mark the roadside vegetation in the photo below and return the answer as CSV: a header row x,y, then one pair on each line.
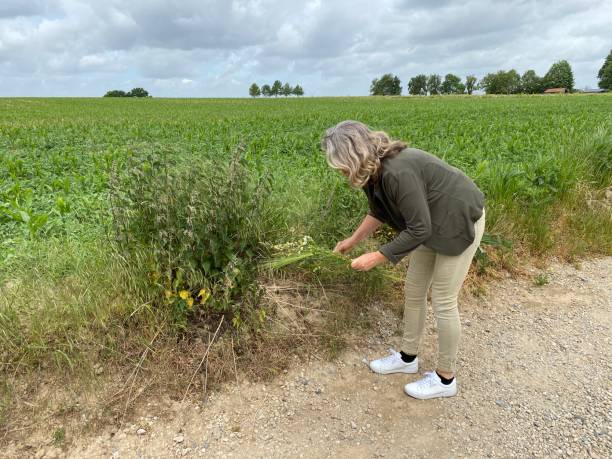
x,y
134,233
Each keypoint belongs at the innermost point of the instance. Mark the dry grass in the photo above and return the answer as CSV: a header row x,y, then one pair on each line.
x,y
584,224
303,322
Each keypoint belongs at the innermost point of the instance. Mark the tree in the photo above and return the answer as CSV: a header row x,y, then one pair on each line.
x,y
115,93
452,85
605,73
434,84
559,75
501,82
138,92
531,83
286,90
254,90
298,91
470,83
417,86
489,84
266,91
277,86
386,85
512,82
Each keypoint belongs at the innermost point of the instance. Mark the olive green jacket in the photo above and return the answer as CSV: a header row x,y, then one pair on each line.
x,y
428,201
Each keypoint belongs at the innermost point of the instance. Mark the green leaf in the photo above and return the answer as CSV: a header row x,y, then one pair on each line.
x,y
207,266
24,216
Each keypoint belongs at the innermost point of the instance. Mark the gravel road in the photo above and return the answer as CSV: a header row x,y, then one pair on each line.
x,y
534,381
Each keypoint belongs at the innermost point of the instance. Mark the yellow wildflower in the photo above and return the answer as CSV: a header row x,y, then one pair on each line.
x,y
184,294
203,295
168,294
189,303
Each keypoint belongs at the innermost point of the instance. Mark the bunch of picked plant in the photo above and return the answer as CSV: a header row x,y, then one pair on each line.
x,y
306,254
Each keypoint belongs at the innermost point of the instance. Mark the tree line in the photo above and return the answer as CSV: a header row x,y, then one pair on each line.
x,y
605,73
277,89
136,92
559,75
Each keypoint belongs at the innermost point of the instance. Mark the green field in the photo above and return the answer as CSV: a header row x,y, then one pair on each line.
x,y
541,162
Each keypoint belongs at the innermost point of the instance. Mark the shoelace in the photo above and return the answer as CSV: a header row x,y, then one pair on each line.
x,y
428,381
391,357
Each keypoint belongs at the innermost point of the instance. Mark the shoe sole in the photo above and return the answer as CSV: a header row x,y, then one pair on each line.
x,y
408,371
429,397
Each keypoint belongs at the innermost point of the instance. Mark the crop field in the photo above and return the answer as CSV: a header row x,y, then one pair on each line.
x,y
129,214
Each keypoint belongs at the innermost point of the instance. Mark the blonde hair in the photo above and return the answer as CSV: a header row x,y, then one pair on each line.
x,y
357,151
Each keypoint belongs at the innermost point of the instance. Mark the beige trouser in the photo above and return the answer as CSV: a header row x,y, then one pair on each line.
x,y
445,275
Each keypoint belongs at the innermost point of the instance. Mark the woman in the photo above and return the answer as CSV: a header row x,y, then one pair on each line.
x,y
439,215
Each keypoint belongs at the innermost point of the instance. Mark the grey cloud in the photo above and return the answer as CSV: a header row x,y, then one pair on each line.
x,y
419,4
189,25
192,24
331,30
17,8
162,63
217,47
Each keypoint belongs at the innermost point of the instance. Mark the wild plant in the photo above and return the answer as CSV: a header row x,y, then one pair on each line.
x,y
195,232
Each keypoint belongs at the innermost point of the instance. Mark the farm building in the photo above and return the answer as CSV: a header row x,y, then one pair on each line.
x,y
592,91
556,91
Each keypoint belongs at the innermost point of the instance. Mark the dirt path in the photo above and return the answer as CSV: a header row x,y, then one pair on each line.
x,y
535,381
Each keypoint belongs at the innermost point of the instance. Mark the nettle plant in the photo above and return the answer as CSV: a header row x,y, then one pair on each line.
x,y
196,231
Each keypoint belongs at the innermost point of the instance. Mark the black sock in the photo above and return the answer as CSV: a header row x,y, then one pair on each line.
x,y
445,381
407,358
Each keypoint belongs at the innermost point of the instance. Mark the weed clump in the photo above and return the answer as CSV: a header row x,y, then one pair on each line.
x,y
192,234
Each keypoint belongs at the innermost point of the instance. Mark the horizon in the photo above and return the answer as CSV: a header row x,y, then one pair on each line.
x,y
577,92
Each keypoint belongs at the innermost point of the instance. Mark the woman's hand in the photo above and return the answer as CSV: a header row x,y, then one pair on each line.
x,y
368,261
345,246
367,227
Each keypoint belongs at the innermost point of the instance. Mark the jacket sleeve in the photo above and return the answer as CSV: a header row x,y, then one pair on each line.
x,y
377,216
408,192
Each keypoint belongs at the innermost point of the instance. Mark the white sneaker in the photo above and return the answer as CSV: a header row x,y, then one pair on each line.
x,y
393,363
430,386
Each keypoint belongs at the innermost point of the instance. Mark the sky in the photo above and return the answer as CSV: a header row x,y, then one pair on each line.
x,y
217,48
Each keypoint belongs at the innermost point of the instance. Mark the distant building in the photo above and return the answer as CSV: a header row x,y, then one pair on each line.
x,y
556,91
592,90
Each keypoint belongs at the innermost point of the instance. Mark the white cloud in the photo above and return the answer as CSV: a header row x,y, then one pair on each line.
x,y
92,60
217,48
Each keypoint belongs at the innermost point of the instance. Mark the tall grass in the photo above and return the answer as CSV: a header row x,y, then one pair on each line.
x,y
525,199
61,304
596,154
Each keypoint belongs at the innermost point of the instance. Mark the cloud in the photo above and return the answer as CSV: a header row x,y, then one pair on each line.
x,y
217,48
20,8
